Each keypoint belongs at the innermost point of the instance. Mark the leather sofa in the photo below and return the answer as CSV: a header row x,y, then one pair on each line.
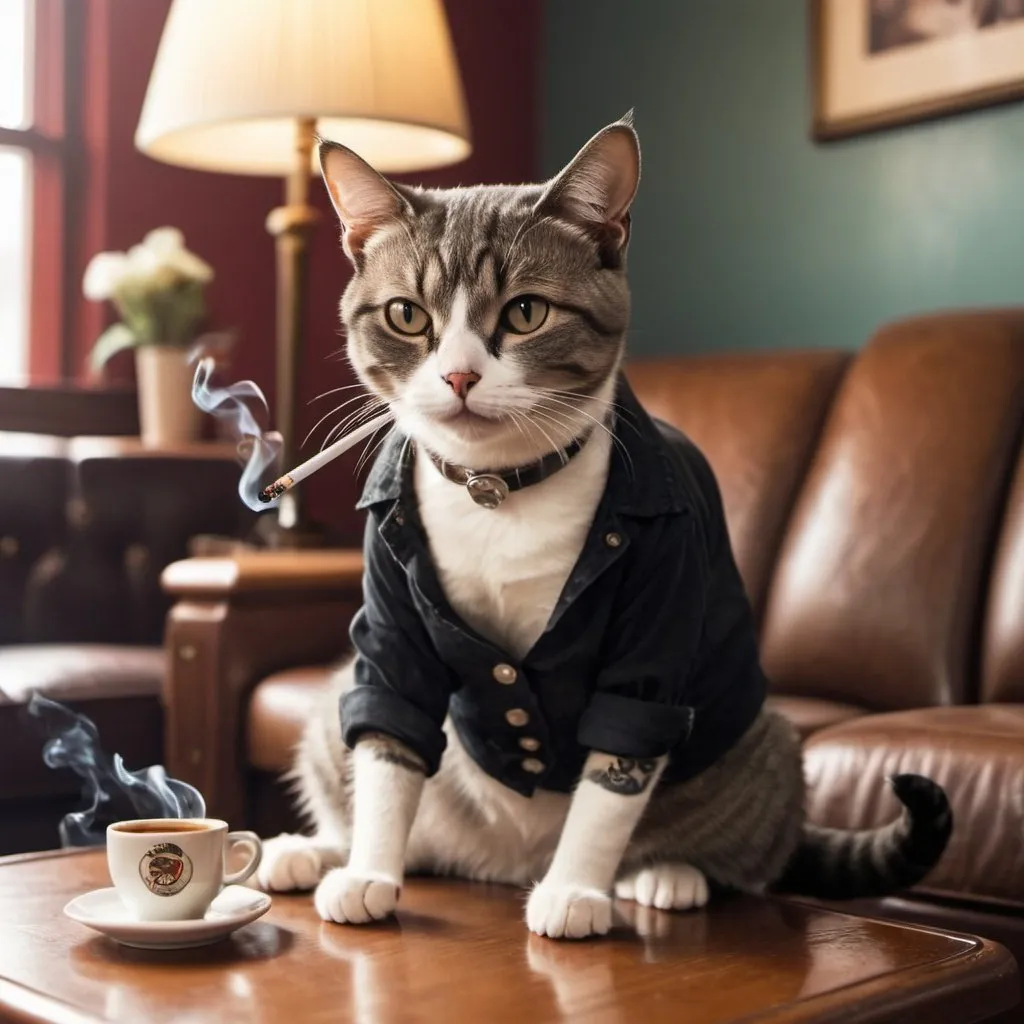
x,y
875,501
86,527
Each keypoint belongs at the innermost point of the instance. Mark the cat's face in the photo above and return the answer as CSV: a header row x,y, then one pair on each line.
x,y
490,319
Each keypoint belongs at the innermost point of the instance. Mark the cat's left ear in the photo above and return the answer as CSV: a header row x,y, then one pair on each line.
x,y
595,190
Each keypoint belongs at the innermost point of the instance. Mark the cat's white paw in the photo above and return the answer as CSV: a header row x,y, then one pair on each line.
x,y
568,911
349,897
289,863
665,886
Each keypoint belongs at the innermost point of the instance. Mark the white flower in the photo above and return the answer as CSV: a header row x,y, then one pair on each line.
x,y
164,240
168,245
159,263
143,264
104,275
189,265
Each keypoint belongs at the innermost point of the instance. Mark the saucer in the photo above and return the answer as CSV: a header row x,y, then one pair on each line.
x,y
232,908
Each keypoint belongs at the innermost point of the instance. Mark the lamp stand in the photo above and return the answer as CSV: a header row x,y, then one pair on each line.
x,y
291,226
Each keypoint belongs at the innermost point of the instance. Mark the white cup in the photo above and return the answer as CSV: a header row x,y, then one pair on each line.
x,y
170,869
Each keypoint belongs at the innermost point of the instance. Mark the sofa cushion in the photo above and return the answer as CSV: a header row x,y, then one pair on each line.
x,y
77,672
278,710
756,417
117,687
809,714
1003,658
879,580
976,753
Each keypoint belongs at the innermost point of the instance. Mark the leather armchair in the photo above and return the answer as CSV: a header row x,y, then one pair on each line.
x,y
876,505
86,527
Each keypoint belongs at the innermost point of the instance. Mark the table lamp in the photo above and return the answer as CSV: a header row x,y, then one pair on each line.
x,y
245,87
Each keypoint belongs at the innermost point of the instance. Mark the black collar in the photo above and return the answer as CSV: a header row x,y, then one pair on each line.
x,y
490,487
643,478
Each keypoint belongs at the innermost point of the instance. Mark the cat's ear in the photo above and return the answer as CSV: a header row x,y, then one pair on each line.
x,y
595,190
364,200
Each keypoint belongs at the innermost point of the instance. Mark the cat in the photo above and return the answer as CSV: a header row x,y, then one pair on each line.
x,y
556,681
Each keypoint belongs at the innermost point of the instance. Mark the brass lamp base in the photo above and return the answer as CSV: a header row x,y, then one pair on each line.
x,y
291,226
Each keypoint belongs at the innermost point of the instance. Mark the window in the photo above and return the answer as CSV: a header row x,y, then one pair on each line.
x,y
15,115
34,165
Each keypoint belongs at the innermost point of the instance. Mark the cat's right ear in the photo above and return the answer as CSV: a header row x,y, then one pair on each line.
x,y
364,200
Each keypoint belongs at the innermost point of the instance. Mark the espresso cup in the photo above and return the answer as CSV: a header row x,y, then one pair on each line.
x,y
170,869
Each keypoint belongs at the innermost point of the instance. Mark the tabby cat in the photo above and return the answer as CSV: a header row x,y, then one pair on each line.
x,y
556,682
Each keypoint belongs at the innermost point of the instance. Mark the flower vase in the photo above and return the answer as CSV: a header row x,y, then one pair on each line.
x,y
167,415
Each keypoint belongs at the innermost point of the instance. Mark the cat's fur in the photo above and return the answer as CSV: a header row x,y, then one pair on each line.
x,y
461,254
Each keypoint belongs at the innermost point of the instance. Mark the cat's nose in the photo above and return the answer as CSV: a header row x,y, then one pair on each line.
x,y
460,383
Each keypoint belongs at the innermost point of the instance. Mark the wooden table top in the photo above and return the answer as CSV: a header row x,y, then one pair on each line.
x,y
460,952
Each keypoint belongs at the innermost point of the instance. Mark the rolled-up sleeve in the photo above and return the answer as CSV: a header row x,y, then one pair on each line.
x,y
640,708
402,686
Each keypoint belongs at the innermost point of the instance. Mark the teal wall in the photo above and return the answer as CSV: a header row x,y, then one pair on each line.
x,y
746,234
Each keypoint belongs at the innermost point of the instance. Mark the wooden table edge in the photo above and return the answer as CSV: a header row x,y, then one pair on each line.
x,y
888,996
20,1004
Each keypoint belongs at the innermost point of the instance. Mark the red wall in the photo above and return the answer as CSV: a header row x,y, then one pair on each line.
x,y
222,216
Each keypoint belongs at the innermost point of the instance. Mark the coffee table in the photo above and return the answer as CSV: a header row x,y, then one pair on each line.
x,y
459,952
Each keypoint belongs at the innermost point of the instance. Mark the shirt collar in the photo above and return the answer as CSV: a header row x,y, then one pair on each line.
x,y
642,480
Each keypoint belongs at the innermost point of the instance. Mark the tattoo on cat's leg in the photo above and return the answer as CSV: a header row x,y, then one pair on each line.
x,y
625,775
388,783
573,900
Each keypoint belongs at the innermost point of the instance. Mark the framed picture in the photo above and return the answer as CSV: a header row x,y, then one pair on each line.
x,y
884,62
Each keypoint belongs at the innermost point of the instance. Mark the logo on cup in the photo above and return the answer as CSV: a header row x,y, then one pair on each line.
x,y
165,869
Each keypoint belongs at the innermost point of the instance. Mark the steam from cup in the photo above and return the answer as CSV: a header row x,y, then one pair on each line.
x,y
110,791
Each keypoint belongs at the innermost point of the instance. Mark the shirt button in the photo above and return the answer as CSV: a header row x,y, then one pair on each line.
x,y
613,540
505,674
532,765
399,518
517,717
529,743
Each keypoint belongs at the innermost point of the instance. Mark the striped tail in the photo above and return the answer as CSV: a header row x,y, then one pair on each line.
x,y
834,864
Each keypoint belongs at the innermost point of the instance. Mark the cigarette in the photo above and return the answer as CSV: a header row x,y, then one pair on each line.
x,y
285,483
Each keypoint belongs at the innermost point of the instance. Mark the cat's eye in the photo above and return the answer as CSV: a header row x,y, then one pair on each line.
x,y
524,314
404,316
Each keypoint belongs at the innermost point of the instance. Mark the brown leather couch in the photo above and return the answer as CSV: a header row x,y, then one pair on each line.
x,y
86,527
876,505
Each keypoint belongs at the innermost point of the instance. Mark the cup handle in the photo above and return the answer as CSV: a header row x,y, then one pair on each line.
x,y
251,840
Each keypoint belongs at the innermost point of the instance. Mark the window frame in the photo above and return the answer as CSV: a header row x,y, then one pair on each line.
x,y
52,140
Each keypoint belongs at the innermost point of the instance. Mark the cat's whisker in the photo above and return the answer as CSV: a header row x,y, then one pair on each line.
x,y
624,416
554,447
518,420
334,391
615,440
353,419
327,416
370,449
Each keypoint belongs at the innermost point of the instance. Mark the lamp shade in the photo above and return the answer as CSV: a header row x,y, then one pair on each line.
x,y
232,77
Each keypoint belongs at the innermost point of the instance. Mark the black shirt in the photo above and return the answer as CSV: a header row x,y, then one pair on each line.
x,y
650,649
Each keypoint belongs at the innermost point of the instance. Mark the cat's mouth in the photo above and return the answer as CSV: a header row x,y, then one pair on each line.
x,y
466,418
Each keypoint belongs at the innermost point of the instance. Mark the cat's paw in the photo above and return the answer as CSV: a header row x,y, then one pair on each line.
x,y
568,911
665,886
290,863
348,897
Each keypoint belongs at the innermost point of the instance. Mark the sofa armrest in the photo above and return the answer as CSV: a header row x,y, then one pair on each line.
x,y
234,621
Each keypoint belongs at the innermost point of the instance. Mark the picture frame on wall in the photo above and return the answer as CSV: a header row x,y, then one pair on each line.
x,y
879,63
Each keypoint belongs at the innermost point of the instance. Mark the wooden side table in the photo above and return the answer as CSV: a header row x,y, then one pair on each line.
x,y
460,952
